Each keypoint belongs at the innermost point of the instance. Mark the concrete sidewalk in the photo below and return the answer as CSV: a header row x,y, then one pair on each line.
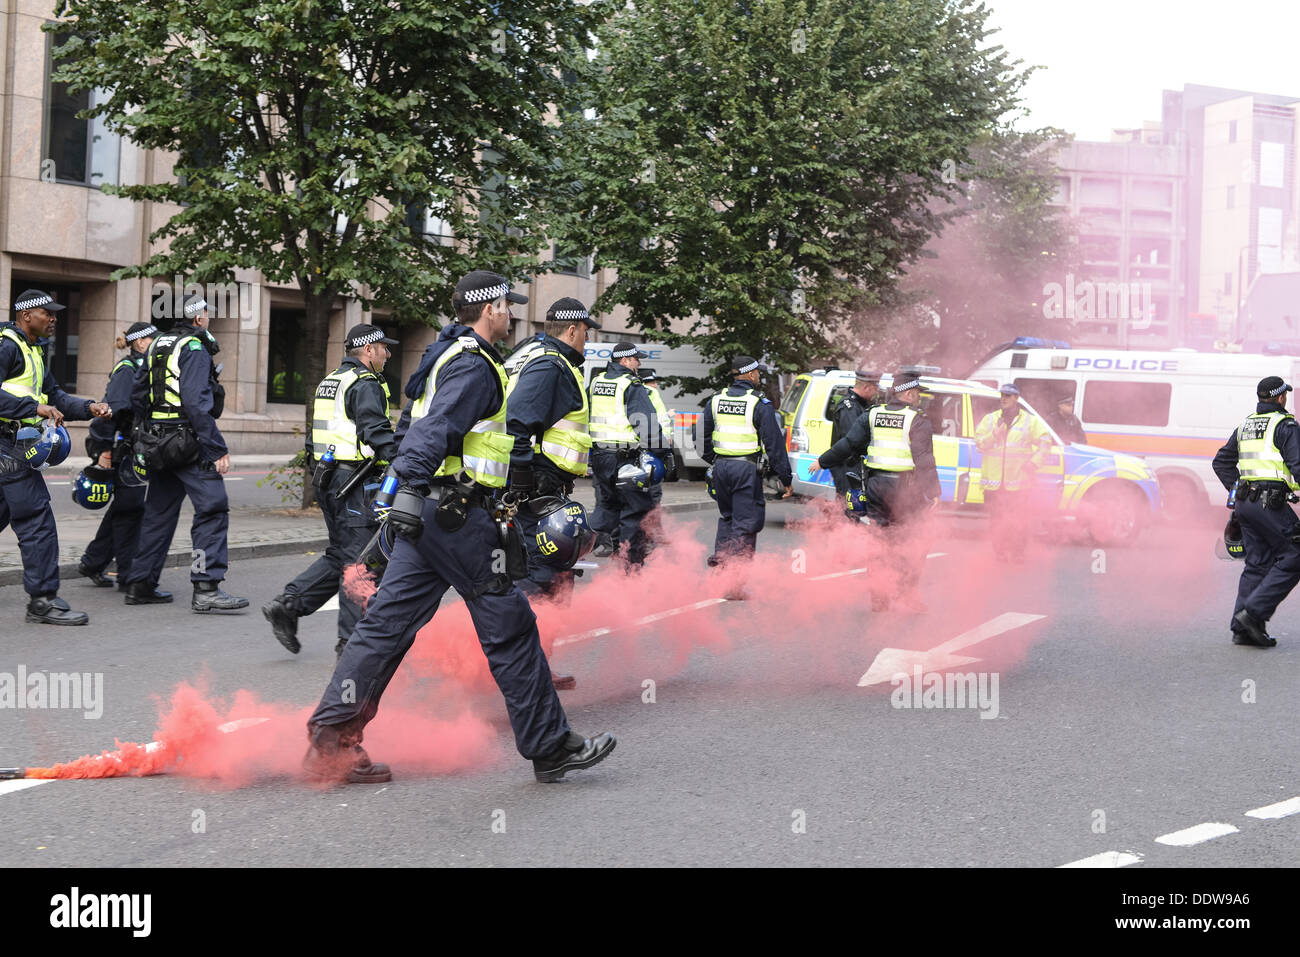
x,y
259,532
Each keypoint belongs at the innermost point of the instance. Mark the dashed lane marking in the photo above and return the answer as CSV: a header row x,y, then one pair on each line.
x,y
1271,812
1107,859
1196,834
861,571
659,616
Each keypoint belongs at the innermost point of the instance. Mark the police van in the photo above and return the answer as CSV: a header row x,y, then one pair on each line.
x,y
1111,494
1175,409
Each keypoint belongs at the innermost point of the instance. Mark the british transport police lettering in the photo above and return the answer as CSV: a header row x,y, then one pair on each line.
x,y
1253,429
328,389
731,407
604,388
888,420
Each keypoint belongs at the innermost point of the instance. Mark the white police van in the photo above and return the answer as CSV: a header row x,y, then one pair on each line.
x,y
1174,409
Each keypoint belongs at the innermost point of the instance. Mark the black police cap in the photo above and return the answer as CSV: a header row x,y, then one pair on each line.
x,y
364,334
740,365
627,350
570,310
35,299
1270,387
483,286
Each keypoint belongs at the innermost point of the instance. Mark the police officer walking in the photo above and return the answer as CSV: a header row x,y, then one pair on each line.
x,y
109,446
176,400
28,395
352,442
1015,445
901,481
1261,460
739,425
623,422
438,491
864,396
650,380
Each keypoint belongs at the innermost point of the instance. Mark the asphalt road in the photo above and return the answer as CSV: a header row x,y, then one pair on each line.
x,y
1122,714
241,488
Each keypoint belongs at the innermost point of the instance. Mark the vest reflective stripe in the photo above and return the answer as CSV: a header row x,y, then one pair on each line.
x,y
890,450
485,452
1258,458
609,422
733,424
28,383
567,442
330,427
663,415
167,406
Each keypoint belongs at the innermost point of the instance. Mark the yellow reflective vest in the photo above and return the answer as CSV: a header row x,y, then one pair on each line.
x,y
566,443
1007,456
1258,457
331,427
890,449
609,422
29,383
734,432
165,381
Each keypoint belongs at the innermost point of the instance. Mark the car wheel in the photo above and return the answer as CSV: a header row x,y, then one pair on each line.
x,y
1180,498
1114,514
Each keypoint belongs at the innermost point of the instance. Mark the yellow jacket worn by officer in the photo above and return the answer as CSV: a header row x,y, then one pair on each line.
x,y
1015,445
352,442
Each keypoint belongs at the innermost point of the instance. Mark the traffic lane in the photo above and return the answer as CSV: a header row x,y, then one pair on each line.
x,y
731,702
241,488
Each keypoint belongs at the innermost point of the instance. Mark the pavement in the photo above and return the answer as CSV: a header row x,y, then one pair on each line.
x,y
261,524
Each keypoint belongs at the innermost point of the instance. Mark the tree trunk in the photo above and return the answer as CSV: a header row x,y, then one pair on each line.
x,y
317,328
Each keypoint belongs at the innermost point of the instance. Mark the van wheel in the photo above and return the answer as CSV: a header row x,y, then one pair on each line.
x,y
1114,514
1180,498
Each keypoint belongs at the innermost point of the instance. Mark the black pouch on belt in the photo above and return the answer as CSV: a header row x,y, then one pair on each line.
x,y
512,543
453,509
1274,499
1255,492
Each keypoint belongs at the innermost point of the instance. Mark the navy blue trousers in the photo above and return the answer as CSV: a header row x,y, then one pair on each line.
x,y
119,532
1272,561
619,511
25,504
742,510
418,575
162,510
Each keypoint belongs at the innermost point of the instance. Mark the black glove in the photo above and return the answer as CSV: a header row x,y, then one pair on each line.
x,y
522,481
670,467
407,514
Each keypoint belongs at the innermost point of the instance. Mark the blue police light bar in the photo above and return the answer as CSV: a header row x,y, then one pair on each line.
x,y
1036,342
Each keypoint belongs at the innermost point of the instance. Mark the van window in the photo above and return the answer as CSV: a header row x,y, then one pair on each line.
x,y
791,401
944,412
1126,403
1046,393
833,400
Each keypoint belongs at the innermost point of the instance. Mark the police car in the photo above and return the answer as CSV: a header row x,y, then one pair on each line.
x,y
1113,494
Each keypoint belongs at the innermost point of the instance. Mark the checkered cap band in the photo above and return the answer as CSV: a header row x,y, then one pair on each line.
x,y
1279,390
33,303
488,294
624,353
572,315
747,368
365,340
904,386
195,307
142,334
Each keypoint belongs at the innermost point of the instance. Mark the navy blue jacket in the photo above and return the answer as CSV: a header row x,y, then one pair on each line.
x,y
196,393
640,410
16,407
103,432
765,421
468,391
546,392
920,440
1286,437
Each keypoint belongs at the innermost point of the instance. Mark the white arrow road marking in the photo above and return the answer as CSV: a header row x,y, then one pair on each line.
x,y
659,616
1107,859
892,661
1196,834
1273,811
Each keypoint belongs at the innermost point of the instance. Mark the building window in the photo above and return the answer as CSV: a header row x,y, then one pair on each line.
x,y
1126,403
424,223
1099,192
571,265
79,152
1232,196
288,359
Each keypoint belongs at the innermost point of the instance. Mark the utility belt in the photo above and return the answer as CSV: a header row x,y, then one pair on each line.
x,y
9,429
622,453
1272,495
167,445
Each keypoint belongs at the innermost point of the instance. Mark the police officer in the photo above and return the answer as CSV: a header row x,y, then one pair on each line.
x,y
547,414
351,433
28,395
623,422
1065,423
176,400
455,454
1261,460
650,379
740,424
1015,445
864,396
109,447
901,480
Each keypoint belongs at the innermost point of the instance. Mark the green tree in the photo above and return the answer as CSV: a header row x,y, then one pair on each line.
x,y
765,168
309,130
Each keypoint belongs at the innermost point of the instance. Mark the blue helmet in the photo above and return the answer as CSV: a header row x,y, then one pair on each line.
x,y
379,549
856,501
563,535
43,447
641,474
93,487
131,471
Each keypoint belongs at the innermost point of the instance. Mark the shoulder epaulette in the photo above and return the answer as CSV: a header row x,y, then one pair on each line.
x,y
468,342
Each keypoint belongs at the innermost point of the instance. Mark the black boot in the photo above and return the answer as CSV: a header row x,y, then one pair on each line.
x,y
100,579
144,593
208,596
335,756
1250,631
574,754
53,610
282,612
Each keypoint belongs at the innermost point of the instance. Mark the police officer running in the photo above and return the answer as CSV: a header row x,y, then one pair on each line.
x,y
1015,445
901,480
1261,460
352,442
864,396
109,446
623,421
739,424
176,401
439,490
28,395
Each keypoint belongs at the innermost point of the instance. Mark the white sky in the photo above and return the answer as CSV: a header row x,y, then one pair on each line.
x,y
1107,61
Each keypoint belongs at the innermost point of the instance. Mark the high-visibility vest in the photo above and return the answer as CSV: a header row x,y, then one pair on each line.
x,y
29,383
609,422
523,355
1258,458
1003,465
485,452
889,449
663,415
733,424
567,442
164,362
331,427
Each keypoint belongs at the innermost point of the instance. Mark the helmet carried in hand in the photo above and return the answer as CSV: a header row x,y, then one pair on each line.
x,y
93,487
563,535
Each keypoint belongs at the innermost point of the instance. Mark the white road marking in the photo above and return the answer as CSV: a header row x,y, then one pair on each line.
x,y
331,605
1196,834
659,616
892,661
1271,812
936,555
60,483
1107,859
860,571
8,787
234,478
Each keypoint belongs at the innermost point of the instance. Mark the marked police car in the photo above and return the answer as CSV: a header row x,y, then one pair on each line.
x,y
1112,494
